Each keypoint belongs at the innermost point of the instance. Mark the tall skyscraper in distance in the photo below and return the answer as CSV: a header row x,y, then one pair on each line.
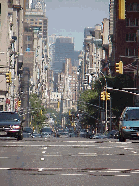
x,y
63,48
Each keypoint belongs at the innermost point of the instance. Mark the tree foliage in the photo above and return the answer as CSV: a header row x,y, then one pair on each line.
x,y
37,111
87,105
119,99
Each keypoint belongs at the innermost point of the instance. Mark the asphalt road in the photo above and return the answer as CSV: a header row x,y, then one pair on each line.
x,y
68,162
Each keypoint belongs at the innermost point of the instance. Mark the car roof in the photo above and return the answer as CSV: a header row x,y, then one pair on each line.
x,y
131,108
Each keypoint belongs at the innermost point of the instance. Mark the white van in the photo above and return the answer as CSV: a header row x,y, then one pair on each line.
x,y
129,124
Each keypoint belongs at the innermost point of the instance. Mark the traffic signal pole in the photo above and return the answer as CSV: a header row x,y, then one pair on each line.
x,y
105,101
106,107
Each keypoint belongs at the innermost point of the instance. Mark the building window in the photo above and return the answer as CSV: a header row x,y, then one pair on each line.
x,y
127,52
0,8
134,52
136,21
127,22
131,37
130,52
132,22
133,7
28,38
31,19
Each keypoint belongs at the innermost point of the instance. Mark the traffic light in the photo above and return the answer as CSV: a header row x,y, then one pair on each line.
x,y
107,96
19,103
103,95
8,77
119,67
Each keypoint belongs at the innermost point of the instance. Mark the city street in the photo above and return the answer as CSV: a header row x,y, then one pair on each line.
x,y
68,161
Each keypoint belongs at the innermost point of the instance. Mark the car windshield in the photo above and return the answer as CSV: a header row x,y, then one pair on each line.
x,y
46,130
132,114
9,116
28,129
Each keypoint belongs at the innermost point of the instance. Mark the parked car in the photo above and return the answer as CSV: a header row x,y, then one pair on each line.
x,y
129,124
27,131
10,125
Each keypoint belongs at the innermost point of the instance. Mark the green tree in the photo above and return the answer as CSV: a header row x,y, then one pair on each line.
x,y
88,106
37,111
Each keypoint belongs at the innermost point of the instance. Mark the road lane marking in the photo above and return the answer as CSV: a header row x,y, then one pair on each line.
x,y
53,155
120,169
135,172
80,141
47,145
73,174
126,148
108,171
105,147
89,153
43,152
134,152
123,175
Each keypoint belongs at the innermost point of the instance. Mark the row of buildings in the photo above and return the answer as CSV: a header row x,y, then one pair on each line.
x,y
24,62
115,39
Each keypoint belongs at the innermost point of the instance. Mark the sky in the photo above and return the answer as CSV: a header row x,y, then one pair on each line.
x,y
70,17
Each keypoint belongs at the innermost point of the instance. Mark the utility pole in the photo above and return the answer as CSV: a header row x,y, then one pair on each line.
x,y
106,107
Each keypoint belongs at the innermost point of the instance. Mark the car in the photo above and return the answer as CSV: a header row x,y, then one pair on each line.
x,y
111,133
47,130
129,124
99,136
27,131
64,134
72,134
11,125
45,135
83,133
36,135
26,135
